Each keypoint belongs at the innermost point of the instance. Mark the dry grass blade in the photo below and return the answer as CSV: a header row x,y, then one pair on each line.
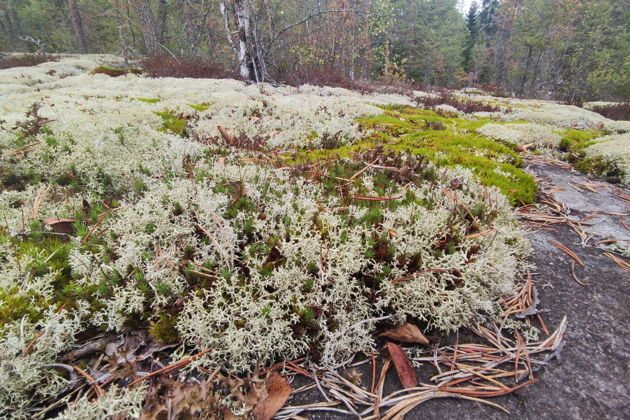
x,y
610,241
417,274
218,247
169,368
611,213
567,251
575,277
22,150
624,196
624,265
477,235
99,391
367,166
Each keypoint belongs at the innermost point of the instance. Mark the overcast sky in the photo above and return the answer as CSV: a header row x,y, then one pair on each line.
x,y
464,5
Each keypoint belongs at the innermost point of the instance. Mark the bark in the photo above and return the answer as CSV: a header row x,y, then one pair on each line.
x,y
149,31
77,25
123,32
250,64
188,15
528,65
243,22
226,23
12,20
161,21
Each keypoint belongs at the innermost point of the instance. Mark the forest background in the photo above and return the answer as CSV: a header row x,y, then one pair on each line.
x,y
570,50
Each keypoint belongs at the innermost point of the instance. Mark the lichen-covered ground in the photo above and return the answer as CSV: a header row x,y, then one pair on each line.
x,y
251,224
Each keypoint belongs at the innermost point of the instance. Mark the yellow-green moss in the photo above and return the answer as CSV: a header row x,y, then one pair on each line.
x,y
445,141
115,71
578,140
200,107
147,100
171,123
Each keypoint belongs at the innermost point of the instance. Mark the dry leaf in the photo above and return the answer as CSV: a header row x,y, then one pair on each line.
x,y
407,333
60,225
221,161
278,391
229,139
405,371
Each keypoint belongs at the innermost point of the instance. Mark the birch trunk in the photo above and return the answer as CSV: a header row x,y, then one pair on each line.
x,y
243,21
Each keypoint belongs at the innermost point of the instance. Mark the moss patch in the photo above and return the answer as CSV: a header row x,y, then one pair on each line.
x,y
172,123
446,141
115,71
200,107
578,140
147,100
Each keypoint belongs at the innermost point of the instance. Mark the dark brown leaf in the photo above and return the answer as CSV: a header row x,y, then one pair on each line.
x,y
407,333
278,391
229,139
405,371
60,225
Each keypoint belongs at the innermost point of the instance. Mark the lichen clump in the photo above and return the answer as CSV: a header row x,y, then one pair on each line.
x,y
239,248
613,151
527,134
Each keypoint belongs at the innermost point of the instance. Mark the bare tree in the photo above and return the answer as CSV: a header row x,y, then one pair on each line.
x,y
245,48
190,17
12,23
77,25
161,20
149,31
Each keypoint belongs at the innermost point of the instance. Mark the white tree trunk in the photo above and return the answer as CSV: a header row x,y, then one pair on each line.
x,y
241,11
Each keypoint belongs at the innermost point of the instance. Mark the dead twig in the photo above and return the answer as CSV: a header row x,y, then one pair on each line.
x,y
567,251
170,368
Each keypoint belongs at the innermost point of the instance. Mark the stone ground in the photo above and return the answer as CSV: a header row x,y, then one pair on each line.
x,y
590,381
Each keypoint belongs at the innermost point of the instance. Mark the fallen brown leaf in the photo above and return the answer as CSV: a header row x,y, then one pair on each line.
x,y
278,391
60,225
407,333
405,371
229,139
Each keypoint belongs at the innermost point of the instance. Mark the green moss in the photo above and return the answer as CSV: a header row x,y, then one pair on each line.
x,y
115,71
164,329
37,255
578,140
147,100
598,167
171,123
200,107
455,142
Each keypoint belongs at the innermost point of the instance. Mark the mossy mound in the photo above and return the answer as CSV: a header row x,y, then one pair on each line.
x,y
172,123
115,71
447,141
